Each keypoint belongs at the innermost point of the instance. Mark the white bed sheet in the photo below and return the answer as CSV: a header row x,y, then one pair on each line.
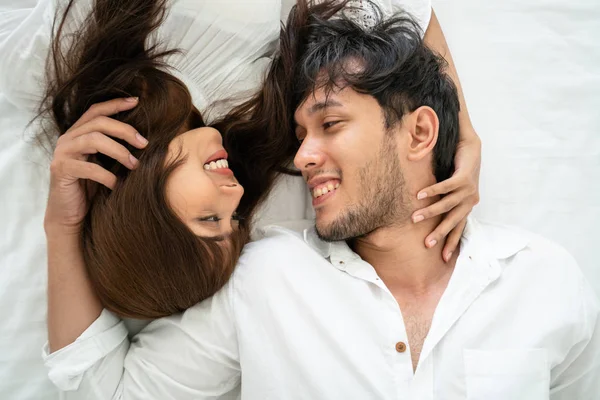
x,y
529,71
530,74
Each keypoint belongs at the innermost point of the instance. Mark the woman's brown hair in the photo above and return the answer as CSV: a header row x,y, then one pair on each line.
x,y
142,260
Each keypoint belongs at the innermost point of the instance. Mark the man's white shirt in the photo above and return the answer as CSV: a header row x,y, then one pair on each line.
x,y
306,319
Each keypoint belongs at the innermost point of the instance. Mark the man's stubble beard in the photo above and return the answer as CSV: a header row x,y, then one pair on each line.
x,y
382,203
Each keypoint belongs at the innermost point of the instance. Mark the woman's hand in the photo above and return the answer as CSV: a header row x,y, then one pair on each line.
x,y
461,194
91,134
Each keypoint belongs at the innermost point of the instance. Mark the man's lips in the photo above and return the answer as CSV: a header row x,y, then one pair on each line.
x,y
319,180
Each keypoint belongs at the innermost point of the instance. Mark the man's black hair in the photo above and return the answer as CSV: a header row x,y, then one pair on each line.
x,y
396,68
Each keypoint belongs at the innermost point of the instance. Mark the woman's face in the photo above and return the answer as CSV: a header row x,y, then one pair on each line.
x,y
203,191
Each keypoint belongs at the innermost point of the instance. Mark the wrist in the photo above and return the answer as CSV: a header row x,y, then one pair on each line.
x,y
58,231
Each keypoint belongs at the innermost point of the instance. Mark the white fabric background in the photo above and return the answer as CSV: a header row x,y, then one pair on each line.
x,y
530,74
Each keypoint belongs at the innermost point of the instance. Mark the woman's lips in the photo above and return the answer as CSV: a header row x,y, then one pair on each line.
x,y
219,155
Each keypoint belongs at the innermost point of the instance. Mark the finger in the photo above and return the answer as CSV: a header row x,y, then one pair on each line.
x,y
106,109
450,221
451,184
96,142
76,169
453,239
441,206
110,127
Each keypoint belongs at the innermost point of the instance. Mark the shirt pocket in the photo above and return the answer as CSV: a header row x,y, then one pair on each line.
x,y
507,374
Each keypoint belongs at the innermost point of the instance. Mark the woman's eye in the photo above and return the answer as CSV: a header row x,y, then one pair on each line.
x,y
236,217
212,218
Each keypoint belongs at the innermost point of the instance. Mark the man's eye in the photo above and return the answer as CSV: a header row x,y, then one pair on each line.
x,y
329,124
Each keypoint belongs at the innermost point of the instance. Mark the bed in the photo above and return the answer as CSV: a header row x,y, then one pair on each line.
x,y
532,83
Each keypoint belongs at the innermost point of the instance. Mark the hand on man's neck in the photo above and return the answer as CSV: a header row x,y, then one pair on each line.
x,y
402,261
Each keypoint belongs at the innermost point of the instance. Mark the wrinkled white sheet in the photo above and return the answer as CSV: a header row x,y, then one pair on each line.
x,y
531,78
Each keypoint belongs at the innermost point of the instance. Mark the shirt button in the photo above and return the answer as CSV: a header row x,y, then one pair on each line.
x,y
400,347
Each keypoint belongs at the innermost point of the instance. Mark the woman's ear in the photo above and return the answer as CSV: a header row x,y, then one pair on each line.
x,y
423,131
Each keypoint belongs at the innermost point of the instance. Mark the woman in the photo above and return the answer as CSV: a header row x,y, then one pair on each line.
x,y
161,230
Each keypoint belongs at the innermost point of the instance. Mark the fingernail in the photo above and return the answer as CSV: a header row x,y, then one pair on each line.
x,y
418,218
141,139
421,196
134,161
448,256
432,243
132,99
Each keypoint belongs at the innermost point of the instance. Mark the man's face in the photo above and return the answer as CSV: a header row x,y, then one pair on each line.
x,y
351,163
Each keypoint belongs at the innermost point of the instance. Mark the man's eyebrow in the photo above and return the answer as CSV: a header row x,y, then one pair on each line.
x,y
320,106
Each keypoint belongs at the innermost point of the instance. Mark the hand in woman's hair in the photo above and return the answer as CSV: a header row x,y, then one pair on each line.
x,y
461,194
91,134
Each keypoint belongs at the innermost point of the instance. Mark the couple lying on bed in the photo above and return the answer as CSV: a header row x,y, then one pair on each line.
x,y
393,291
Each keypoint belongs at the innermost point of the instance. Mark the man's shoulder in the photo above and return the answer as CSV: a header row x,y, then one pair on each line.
x,y
278,248
506,242
530,257
276,241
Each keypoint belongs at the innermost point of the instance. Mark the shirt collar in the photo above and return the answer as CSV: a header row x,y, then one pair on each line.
x,y
486,245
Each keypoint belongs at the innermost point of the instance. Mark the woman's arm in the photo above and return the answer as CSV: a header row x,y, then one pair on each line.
x,y
434,39
462,189
72,303
187,356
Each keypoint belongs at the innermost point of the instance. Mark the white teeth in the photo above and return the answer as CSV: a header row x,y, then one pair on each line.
x,y
330,187
324,190
337,185
216,165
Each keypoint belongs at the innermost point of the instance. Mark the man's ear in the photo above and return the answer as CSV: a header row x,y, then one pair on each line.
x,y
423,131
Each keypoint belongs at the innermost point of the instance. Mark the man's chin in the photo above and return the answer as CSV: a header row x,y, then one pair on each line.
x,y
329,231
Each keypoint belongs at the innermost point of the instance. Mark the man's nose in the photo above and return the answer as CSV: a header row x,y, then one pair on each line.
x,y
310,155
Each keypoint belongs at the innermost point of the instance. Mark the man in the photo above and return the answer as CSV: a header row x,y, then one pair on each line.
x,y
357,307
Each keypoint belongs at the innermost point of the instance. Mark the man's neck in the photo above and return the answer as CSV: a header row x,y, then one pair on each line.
x,y
402,261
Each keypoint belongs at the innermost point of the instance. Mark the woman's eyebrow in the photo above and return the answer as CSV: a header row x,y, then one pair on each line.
x,y
219,238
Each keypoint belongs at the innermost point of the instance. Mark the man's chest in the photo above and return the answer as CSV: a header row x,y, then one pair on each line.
x,y
363,352
332,346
